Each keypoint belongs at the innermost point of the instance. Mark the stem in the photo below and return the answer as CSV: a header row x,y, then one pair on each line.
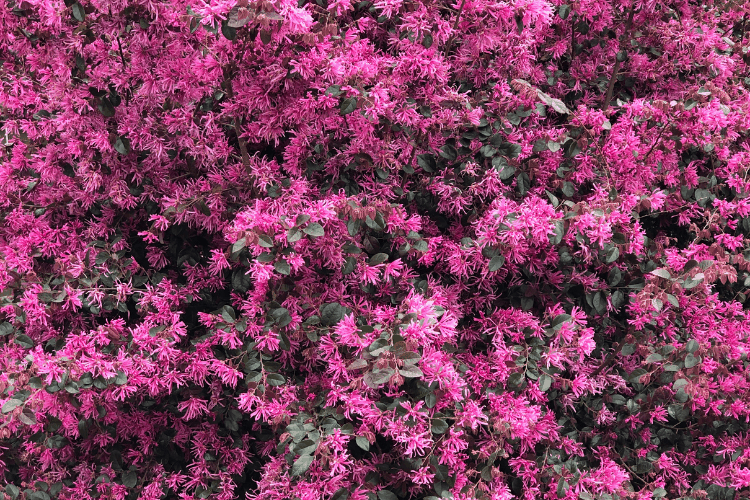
x,y
122,56
238,131
612,355
455,27
656,142
611,86
608,360
572,40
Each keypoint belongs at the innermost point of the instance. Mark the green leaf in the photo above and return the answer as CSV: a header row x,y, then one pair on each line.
x,y
558,321
228,314
340,494
106,108
691,360
559,234
516,379
79,14
600,302
563,11
427,41
306,447
315,230
410,371
57,442
539,145
121,378
439,426
552,199
27,416
553,103
421,245
24,341
294,234
693,282
678,412
282,267
618,299
6,329
692,346
301,465
523,183
240,281
662,273
427,162
378,258
679,384
229,32
12,490
425,111
496,263
545,382
386,495
488,151
301,219
358,364
11,405
376,378
275,379
130,479
614,276
635,375
673,300
349,266
281,316
122,145
363,443
611,255
448,152
238,245
333,90
331,313
572,149
347,106
506,172
203,208
703,197
265,241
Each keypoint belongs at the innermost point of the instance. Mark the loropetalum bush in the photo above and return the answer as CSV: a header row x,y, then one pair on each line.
x,y
374,250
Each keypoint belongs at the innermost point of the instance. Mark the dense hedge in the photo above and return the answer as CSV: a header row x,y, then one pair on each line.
x,y
386,250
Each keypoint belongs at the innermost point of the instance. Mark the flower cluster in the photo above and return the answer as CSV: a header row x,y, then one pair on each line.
x,y
374,250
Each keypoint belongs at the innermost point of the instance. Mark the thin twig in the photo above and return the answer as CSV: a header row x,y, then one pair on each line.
x,y
455,27
613,79
122,56
612,355
238,131
656,142
572,40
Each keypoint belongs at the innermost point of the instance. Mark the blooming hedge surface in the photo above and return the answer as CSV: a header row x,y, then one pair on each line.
x,y
401,249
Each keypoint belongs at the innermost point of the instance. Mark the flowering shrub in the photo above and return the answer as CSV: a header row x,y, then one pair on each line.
x,y
383,250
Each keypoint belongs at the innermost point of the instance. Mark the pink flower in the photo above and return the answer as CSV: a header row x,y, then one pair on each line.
x,y
193,408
